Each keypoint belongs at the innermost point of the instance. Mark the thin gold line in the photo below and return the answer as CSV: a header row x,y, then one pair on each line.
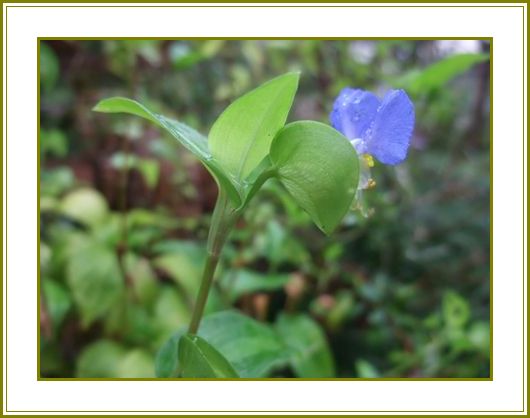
x,y
2,209
491,137
197,3
252,38
271,6
38,212
286,411
271,379
7,293
524,112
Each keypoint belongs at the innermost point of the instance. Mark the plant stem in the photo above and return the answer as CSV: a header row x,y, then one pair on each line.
x,y
202,297
223,219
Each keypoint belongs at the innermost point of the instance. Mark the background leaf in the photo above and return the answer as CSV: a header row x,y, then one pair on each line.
x,y
241,282
84,205
199,359
95,286
439,73
319,168
49,66
57,301
184,262
136,364
241,137
100,359
310,355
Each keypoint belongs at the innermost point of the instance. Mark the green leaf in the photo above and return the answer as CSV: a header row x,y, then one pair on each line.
x,y
319,168
439,73
183,57
167,358
85,205
57,301
242,282
199,359
241,137
366,370
49,66
100,359
310,355
94,278
135,364
53,142
184,262
148,167
143,279
456,310
170,311
253,348
192,140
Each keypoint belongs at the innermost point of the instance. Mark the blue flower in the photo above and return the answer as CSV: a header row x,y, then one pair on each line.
x,y
379,128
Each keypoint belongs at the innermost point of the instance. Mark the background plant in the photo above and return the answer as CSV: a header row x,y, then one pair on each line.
x,y
402,293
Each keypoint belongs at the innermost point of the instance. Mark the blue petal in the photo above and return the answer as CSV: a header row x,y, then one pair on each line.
x,y
389,139
353,112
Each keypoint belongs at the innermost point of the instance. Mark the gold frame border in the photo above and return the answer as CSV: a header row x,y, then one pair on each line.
x,y
277,5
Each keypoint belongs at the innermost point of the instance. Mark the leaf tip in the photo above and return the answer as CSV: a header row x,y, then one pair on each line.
x,y
99,106
295,75
327,229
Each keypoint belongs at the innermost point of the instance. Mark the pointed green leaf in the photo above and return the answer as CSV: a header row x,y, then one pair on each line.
x,y
199,359
320,169
252,347
167,361
309,351
241,136
192,140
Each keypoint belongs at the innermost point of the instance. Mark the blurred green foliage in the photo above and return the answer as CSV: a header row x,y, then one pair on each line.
x,y
402,289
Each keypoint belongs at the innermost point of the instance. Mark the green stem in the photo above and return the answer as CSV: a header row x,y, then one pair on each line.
x,y
202,297
223,219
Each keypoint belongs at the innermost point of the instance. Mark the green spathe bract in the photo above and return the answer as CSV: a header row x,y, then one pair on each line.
x,y
319,168
247,145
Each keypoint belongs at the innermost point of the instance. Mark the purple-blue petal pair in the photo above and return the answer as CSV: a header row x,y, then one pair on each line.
x,y
382,128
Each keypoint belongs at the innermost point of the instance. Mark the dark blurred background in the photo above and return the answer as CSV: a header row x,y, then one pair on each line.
x,y
402,289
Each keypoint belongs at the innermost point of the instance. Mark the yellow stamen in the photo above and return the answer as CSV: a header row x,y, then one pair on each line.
x,y
369,160
371,183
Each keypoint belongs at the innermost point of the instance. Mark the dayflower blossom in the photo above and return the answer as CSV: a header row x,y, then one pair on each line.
x,y
381,128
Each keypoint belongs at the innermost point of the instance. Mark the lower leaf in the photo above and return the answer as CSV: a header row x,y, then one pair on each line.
x,y
199,359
